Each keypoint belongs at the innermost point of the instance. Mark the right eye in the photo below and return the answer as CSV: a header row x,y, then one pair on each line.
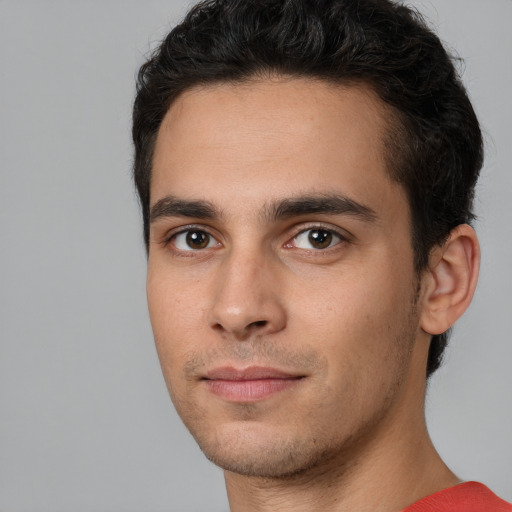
x,y
318,239
193,240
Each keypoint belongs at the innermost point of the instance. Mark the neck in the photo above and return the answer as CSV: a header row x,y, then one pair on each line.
x,y
386,472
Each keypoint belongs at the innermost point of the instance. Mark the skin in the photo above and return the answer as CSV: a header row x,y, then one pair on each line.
x,y
350,320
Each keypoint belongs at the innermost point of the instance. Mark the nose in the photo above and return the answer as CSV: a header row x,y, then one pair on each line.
x,y
247,302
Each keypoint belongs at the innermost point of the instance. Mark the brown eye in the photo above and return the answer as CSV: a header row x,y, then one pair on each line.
x,y
320,238
317,239
197,239
193,240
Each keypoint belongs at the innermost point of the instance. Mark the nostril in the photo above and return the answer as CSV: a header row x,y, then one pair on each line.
x,y
258,323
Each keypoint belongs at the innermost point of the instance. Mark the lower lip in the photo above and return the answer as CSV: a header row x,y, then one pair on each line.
x,y
249,390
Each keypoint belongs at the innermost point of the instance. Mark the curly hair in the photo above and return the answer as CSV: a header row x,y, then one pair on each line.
x,y
433,146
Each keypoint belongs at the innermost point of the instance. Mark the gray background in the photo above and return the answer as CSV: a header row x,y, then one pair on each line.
x,y
86,424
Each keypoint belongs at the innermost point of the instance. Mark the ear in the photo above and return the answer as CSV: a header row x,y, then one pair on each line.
x,y
450,281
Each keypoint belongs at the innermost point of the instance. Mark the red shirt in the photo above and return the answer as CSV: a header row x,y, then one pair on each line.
x,y
466,497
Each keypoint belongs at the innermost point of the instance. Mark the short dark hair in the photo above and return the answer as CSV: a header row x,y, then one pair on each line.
x,y
434,145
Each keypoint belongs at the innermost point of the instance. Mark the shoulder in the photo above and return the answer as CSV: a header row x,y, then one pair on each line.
x,y
465,497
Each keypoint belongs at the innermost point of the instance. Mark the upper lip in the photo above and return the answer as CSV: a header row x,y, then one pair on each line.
x,y
250,373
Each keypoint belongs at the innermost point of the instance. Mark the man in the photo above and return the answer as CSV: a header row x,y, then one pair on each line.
x,y
306,171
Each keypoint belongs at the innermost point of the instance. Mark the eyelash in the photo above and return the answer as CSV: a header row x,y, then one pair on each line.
x,y
341,238
333,233
170,239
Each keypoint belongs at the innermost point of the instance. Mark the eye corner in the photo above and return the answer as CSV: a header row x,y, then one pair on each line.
x,y
316,238
193,240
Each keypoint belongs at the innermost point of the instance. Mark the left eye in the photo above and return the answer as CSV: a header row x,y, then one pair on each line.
x,y
193,240
316,239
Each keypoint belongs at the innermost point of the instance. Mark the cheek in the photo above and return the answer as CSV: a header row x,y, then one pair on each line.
x,y
171,323
359,320
368,347
175,315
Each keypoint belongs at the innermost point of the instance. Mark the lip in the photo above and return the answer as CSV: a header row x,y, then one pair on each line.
x,y
248,384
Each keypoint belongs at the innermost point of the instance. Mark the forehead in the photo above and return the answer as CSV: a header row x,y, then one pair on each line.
x,y
273,138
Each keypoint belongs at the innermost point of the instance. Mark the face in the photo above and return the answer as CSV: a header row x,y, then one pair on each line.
x,y
281,286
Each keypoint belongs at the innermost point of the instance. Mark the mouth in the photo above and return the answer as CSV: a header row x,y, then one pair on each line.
x,y
249,384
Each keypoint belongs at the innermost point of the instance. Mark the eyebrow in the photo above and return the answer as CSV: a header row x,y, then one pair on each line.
x,y
330,204
171,206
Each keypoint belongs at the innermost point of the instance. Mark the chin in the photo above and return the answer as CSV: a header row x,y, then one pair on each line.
x,y
256,451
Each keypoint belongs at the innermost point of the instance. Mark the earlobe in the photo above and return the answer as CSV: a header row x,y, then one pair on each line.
x,y
451,280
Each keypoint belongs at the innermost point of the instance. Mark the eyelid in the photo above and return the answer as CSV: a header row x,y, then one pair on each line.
x,y
342,234
308,226
173,233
